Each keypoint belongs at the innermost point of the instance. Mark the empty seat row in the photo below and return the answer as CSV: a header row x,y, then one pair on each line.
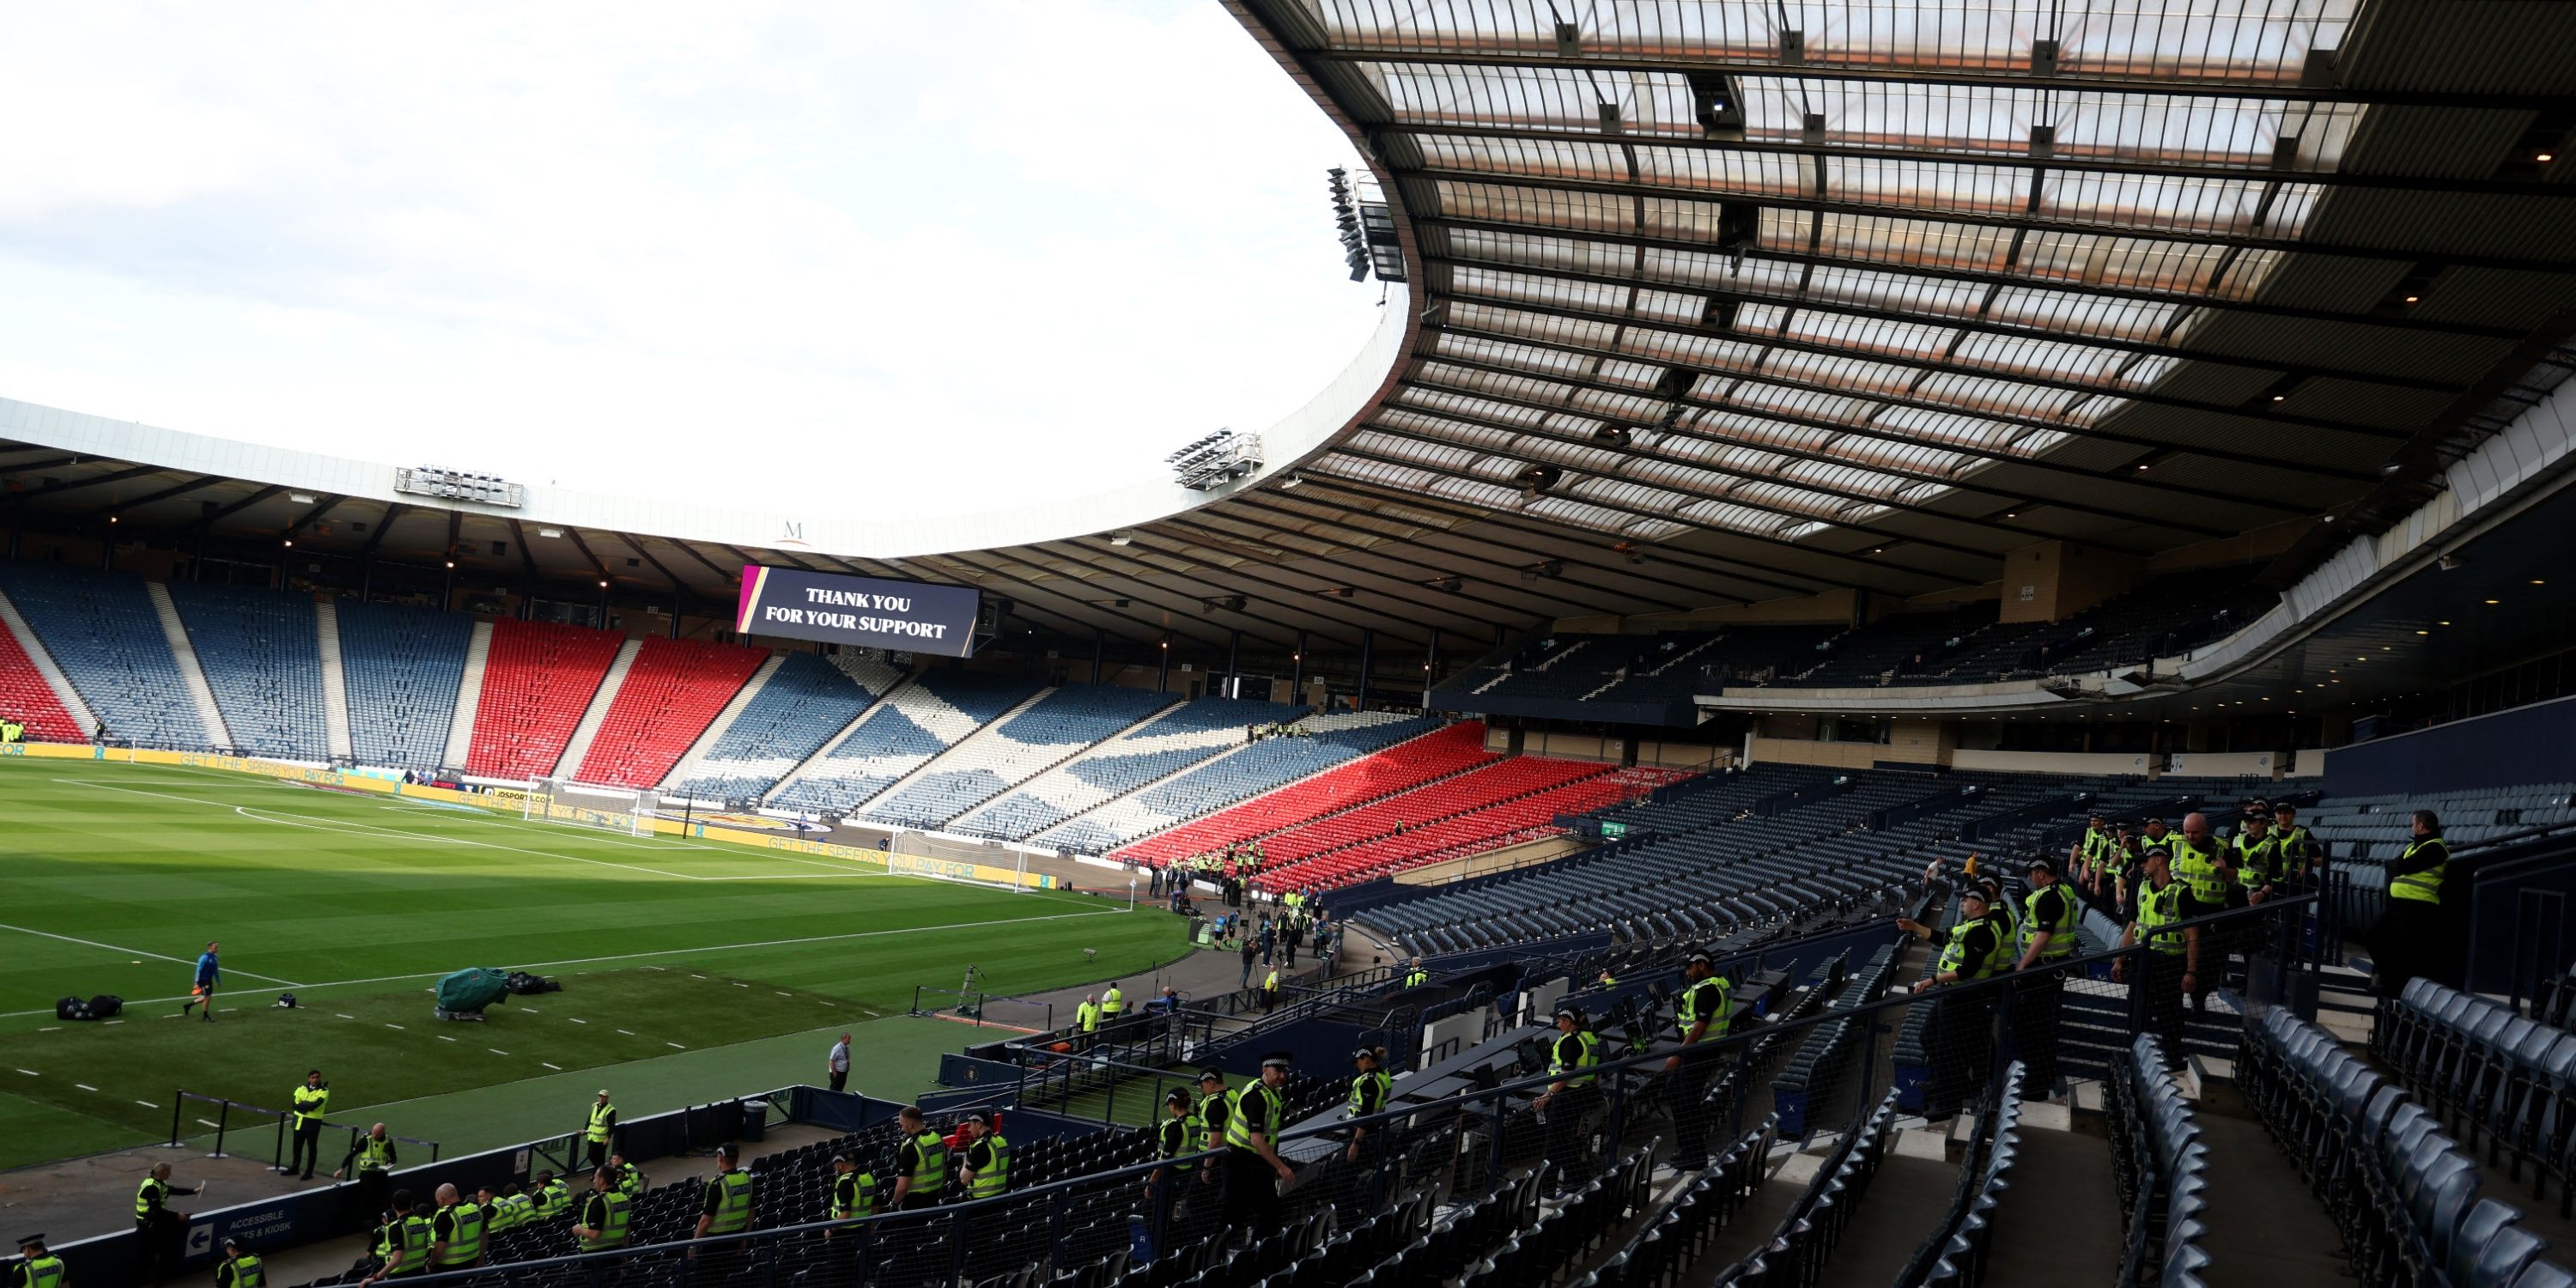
x,y
261,653
403,665
103,631
538,681
671,692
935,712
1063,722
802,704
2504,1081
1450,751
1184,736
1313,745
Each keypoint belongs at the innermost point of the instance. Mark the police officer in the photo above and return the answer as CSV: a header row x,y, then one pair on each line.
x,y
1251,1151
629,1179
37,1266
1416,977
598,1127
1215,1107
2173,956
375,1156
2047,940
401,1243
1570,1098
239,1268
1270,989
2295,845
551,1197
160,1230
1175,1139
1369,1087
311,1098
503,1210
2123,858
2414,935
920,1163
1112,1003
854,1192
984,1158
2085,855
2207,873
604,1216
1977,948
1703,1015
455,1233
727,1209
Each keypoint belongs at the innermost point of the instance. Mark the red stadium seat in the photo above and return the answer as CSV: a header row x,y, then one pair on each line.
x,y
537,682
1433,756
27,699
673,690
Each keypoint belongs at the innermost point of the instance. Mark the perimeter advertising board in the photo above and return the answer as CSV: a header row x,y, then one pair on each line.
x,y
869,612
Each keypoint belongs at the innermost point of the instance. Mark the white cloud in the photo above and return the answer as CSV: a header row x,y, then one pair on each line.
x,y
733,252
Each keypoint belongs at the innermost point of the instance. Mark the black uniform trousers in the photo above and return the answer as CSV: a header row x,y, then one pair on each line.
x,y
1567,1141
1963,1052
307,1147
1686,1096
2162,979
2038,1000
1251,1194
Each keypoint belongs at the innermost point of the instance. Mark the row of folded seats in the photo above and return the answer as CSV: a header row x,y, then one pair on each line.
x,y
2160,1167
1183,736
2509,1083
1674,1235
106,636
1335,793
1805,1238
1319,743
261,653
1955,1254
403,665
1815,1072
2403,1193
805,701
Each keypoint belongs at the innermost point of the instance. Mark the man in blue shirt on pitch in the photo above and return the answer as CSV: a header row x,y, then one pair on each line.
x,y
208,975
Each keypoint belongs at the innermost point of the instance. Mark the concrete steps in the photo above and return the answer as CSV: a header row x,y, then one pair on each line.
x,y
45,665
335,683
687,768
190,673
469,696
592,716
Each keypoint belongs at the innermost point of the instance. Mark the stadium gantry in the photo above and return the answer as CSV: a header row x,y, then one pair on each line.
x,y
1815,459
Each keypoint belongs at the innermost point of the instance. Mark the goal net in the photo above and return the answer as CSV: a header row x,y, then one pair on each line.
x,y
606,809
922,855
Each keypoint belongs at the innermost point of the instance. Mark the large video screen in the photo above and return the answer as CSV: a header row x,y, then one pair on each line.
x,y
910,616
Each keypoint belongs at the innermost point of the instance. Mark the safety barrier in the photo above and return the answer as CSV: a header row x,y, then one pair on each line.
x,y
224,1129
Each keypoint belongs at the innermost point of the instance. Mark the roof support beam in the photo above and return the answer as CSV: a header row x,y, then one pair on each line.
x,y
1393,624
73,485
1154,630
148,498
208,521
385,523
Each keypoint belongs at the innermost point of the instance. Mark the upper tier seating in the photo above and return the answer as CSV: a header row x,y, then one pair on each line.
x,y
261,651
1057,726
27,699
1453,750
403,666
1520,801
103,632
672,691
807,699
538,680
1325,741
1178,738
932,714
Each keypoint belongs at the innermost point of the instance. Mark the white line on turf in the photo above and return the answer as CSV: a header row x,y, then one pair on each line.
x,y
84,1086
556,1067
581,1021
92,943
396,1026
675,1044
444,1038
672,952
147,1104
628,1032
496,1050
210,1123
30,1073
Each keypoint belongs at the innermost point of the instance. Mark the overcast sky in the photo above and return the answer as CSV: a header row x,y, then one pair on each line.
x,y
928,256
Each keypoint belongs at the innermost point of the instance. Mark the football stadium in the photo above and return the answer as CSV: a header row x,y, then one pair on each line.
x,y
1863,643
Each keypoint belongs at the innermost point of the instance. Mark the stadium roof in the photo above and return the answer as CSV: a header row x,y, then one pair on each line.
x,y
1740,300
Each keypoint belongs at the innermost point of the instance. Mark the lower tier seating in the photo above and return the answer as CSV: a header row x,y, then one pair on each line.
x,y
671,692
538,680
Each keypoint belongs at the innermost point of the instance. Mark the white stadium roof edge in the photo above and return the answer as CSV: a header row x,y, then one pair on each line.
x,y
1729,302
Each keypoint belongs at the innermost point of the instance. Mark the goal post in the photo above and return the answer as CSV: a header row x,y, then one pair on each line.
x,y
920,854
605,809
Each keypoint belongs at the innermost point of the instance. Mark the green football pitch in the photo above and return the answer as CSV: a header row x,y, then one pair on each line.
x,y
680,959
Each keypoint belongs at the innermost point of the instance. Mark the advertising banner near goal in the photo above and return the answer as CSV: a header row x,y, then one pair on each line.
x,y
866,611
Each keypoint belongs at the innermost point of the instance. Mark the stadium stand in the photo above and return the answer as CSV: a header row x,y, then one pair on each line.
x,y
935,712
537,684
1374,777
403,665
26,698
1516,801
672,690
804,703
1318,743
1173,741
1058,725
261,652
103,632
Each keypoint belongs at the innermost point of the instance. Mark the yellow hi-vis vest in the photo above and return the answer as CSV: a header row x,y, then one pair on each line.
x,y
552,1199
1586,1053
415,1247
2156,910
465,1244
309,1104
733,1206
854,1195
1111,1003
995,1176
2061,932
1417,977
1955,952
612,1231
2196,866
47,1272
375,1155
630,1181
1360,1084
930,1171
1712,998
1238,1122
1209,1115
2258,863
2424,886
597,1132
149,1196
246,1273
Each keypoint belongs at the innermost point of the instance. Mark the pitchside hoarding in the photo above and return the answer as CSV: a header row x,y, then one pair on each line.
x,y
911,616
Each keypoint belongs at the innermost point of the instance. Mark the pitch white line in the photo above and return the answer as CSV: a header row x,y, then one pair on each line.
x,y
675,1044
556,1067
496,1050
138,952
628,1032
208,1122
673,952
147,1104
581,1021
84,1086
31,1073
